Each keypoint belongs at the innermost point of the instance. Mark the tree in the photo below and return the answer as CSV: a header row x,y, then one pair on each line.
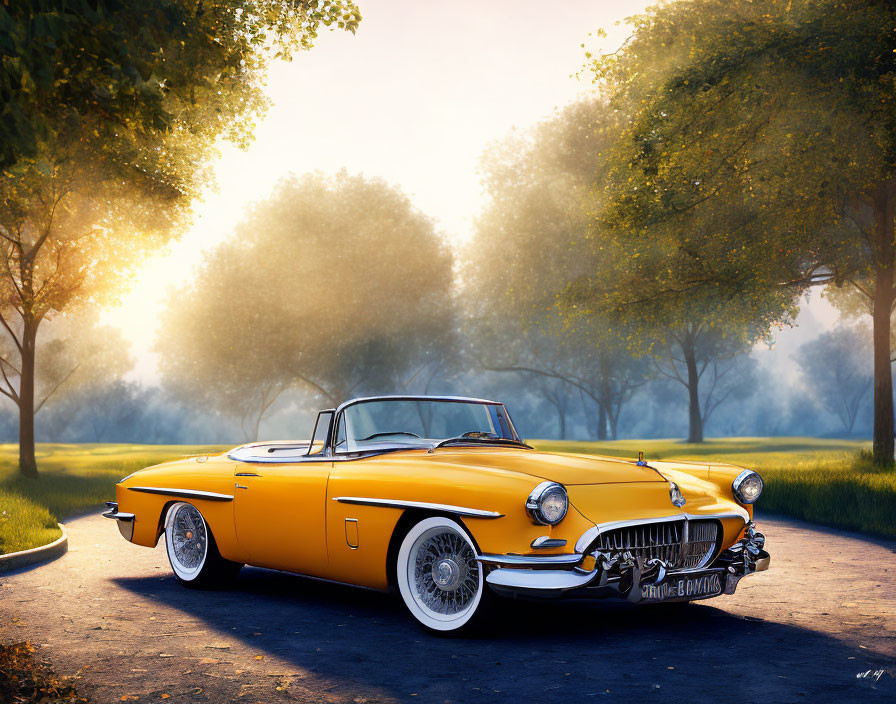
x,y
111,111
686,330
761,150
77,353
333,285
838,372
527,246
695,352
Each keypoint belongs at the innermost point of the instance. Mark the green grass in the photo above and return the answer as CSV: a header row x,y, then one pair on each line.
x,y
831,482
826,481
74,478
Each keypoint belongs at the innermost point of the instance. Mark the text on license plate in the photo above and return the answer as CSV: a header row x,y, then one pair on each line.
x,y
683,588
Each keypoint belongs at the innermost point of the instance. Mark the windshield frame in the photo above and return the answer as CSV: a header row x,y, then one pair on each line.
x,y
516,441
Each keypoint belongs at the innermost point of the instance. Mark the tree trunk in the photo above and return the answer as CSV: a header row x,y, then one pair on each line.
x,y
695,418
561,417
601,422
613,417
884,207
27,459
883,376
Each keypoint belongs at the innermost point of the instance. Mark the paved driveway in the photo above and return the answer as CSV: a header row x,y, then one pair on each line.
x,y
112,614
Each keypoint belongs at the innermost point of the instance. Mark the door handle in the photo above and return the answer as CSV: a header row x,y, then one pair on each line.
x,y
240,486
246,474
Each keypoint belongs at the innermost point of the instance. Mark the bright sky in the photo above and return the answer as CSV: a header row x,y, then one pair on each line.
x,y
414,97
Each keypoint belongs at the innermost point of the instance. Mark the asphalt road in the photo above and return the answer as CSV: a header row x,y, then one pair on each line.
x,y
111,614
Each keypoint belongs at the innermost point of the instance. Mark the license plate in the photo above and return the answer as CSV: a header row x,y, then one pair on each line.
x,y
675,588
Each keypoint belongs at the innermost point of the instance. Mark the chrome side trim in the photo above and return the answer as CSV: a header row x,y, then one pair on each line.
x,y
588,537
530,560
545,541
397,503
591,534
183,493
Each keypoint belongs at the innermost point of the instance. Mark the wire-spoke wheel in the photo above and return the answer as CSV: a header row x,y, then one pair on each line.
x,y
192,551
439,578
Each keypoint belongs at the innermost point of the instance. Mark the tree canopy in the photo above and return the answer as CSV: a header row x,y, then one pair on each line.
x,y
111,110
332,285
759,156
529,243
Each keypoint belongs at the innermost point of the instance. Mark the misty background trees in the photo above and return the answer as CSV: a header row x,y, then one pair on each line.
x,y
333,287
635,257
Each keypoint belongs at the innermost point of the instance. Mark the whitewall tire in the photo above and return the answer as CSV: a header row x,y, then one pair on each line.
x,y
439,579
192,551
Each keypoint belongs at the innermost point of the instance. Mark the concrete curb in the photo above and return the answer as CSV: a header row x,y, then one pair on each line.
x,y
44,553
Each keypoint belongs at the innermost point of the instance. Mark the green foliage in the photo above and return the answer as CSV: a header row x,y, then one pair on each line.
x,y
75,478
115,73
752,124
758,158
831,482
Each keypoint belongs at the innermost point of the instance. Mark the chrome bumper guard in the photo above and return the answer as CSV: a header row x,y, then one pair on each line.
x,y
624,575
125,520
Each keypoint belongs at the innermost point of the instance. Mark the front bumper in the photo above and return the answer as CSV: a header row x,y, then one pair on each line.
x,y
125,520
622,575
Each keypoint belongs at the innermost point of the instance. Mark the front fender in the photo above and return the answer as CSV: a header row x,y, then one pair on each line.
x,y
371,527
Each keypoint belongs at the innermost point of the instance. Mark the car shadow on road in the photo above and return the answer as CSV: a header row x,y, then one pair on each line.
x,y
361,643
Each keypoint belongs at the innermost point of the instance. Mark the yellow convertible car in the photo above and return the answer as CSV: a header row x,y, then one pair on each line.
x,y
439,499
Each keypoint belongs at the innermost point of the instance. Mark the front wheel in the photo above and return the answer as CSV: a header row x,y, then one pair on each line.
x,y
439,579
192,551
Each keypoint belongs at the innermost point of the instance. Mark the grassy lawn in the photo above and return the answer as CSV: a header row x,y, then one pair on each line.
x,y
74,478
831,482
826,481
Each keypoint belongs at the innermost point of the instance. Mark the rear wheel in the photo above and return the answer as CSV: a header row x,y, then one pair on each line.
x,y
439,578
192,550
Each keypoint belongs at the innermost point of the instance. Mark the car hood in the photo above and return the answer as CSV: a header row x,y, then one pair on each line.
x,y
566,469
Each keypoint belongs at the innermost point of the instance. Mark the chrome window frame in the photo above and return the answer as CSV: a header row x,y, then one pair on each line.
x,y
329,454
340,410
328,439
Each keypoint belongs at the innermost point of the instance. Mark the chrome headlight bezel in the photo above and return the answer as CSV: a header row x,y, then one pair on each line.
x,y
536,499
738,483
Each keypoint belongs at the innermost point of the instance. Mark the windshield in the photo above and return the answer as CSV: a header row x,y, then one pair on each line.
x,y
398,423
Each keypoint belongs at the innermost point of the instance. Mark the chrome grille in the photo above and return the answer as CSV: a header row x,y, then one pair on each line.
x,y
680,544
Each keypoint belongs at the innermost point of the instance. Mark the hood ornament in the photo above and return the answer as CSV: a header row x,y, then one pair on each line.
x,y
675,495
641,462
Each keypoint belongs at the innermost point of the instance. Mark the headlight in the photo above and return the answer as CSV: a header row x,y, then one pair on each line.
x,y
747,486
547,504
